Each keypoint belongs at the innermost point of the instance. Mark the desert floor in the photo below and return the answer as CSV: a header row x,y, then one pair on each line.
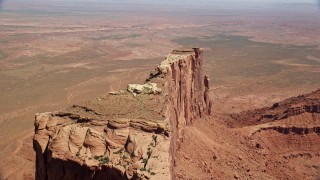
x,y
55,55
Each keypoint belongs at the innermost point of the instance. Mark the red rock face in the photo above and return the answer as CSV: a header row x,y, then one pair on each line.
x,y
188,89
84,141
188,95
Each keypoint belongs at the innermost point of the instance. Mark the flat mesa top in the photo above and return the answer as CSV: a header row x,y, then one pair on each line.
x,y
176,55
184,51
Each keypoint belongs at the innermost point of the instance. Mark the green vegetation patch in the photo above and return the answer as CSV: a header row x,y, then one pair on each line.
x,y
2,55
117,37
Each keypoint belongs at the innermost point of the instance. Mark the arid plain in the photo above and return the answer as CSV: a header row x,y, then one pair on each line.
x,y
57,54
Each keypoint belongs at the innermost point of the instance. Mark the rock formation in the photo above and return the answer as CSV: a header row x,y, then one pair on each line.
x,y
303,104
131,134
286,134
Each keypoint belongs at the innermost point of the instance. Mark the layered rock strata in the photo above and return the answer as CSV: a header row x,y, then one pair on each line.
x,y
302,104
129,134
283,138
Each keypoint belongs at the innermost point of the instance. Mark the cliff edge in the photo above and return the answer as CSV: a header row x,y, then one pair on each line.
x,y
127,134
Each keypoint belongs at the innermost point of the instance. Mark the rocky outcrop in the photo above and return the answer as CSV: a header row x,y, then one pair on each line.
x,y
303,104
147,88
292,129
131,134
292,111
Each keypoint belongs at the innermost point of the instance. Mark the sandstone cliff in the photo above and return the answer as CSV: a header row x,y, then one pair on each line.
x,y
130,134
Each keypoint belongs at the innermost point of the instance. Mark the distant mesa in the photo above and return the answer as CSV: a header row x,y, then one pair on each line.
x,y
289,108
